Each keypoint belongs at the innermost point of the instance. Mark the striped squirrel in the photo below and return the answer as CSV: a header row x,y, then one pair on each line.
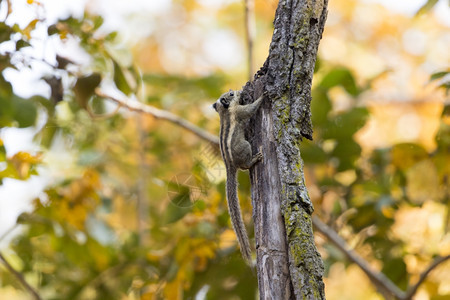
x,y
236,153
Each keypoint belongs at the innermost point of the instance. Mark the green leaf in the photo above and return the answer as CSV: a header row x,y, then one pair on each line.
x,y
320,107
6,112
174,212
406,155
443,135
98,21
16,109
426,7
51,30
312,153
231,268
22,44
120,80
343,77
9,172
395,270
5,87
85,87
97,105
5,32
422,182
366,216
347,151
446,86
346,124
111,36
25,112
179,193
46,135
180,200
438,75
2,151
45,103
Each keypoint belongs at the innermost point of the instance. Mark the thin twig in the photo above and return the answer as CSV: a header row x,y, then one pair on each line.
x,y
413,289
8,9
106,116
378,278
163,115
7,232
19,276
250,34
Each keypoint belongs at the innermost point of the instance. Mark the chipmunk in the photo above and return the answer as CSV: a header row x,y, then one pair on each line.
x,y
236,153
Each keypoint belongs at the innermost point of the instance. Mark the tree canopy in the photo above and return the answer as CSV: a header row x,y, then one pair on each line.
x,y
131,203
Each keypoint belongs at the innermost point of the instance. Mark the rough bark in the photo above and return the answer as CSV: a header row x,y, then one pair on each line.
x,y
288,263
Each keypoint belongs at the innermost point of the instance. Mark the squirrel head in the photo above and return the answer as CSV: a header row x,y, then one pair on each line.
x,y
226,100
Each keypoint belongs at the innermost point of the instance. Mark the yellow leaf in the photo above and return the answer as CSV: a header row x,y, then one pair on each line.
x,y
23,162
205,250
92,177
173,290
388,211
75,215
227,239
423,182
150,292
147,296
156,255
200,264
26,157
101,260
29,28
407,154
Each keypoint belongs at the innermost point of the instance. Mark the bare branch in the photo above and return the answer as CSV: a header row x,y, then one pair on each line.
x,y
19,277
250,34
163,115
383,283
413,289
378,278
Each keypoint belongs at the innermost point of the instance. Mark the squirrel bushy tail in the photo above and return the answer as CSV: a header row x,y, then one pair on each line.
x,y
236,216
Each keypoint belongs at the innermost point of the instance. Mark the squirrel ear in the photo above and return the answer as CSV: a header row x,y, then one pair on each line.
x,y
225,102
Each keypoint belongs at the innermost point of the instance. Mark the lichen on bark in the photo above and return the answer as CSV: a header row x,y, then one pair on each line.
x,y
282,207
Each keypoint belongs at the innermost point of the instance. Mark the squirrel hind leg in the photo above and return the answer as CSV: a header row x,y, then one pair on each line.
x,y
254,159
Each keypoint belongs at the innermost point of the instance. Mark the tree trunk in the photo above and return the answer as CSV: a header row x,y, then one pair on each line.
x,y
288,263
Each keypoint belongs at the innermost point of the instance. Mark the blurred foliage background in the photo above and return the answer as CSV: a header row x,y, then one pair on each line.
x,y
98,202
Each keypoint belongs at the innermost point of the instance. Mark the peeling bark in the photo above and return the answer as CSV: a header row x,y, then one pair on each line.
x,y
288,263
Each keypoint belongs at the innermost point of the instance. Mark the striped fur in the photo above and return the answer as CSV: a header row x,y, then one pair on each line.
x,y
232,116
